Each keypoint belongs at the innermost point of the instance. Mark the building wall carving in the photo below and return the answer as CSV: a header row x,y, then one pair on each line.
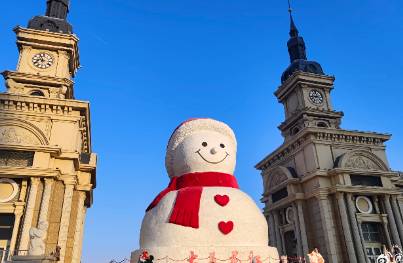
x,y
360,159
277,176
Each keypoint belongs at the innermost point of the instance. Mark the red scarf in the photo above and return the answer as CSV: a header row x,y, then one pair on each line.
x,y
190,187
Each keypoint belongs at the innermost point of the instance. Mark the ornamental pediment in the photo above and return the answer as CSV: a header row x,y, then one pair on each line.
x,y
361,160
20,133
277,176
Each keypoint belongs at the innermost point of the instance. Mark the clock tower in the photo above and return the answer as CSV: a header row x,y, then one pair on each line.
x,y
326,187
47,167
306,97
48,57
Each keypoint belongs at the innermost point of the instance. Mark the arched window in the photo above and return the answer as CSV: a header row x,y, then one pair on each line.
x,y
322,124
37,93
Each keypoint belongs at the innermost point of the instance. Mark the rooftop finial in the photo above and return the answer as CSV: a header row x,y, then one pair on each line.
x,y
293,28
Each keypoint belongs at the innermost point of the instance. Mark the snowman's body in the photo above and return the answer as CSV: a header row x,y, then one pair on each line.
x,y
249,225
228,220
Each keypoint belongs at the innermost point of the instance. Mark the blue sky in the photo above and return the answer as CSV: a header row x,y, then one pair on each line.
x,y
150,64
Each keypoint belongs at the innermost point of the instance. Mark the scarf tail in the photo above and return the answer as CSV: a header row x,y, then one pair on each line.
x,y
186,208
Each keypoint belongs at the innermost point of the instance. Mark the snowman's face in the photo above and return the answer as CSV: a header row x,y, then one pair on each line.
x,y
205,151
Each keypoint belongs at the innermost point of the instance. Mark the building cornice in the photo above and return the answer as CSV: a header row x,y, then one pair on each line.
x,y
27,172
369,190
50,103
54,150
337,171
321,135
315,112
37,79
303,78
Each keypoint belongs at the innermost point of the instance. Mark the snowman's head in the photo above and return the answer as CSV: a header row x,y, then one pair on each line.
x,y
201,145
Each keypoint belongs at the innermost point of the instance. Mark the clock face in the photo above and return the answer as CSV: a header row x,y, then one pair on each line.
x,y
315,96
42,60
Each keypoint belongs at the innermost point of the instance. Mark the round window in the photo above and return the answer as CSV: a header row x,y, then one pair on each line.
x,y
363,204
289,215
8,190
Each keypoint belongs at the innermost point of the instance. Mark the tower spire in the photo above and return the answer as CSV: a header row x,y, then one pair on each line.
x,y
297,51
55,18
293,29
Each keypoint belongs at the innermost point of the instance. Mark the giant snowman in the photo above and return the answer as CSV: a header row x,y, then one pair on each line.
x,y
202,214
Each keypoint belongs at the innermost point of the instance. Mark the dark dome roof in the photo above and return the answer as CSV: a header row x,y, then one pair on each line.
x,y
55,18
304,66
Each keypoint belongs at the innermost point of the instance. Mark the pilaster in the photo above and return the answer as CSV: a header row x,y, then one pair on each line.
x,y
301,220
356,232
328,227
272,234
346,228
82,232
18,215
29,213
297,230
43,215
386,230
392,222
65,219
78,228
279,241
397,216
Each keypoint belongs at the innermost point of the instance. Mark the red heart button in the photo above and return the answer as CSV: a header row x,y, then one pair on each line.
x,y
222,200
226,227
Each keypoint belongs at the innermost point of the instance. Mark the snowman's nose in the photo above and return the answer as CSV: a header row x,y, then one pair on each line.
x,y
213,151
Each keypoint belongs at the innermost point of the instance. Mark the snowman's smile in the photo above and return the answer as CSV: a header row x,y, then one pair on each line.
x,y
212,162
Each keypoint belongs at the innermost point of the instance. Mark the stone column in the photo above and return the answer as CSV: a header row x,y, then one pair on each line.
x,y
272,235
29,213
302,227
384,221
328,228
78,228
65,219
43,215
82,231
359,244
346,229
400,203
398,217
279,242
386,231
297,230
16,227
392,222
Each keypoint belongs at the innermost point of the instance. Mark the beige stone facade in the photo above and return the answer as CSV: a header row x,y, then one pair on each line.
x,y
326,187
47,168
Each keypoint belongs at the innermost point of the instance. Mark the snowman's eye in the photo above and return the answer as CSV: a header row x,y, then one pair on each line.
x,y
204,144
222,145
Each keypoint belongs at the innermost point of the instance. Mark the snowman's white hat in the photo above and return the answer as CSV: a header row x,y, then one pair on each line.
x,y
190,126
